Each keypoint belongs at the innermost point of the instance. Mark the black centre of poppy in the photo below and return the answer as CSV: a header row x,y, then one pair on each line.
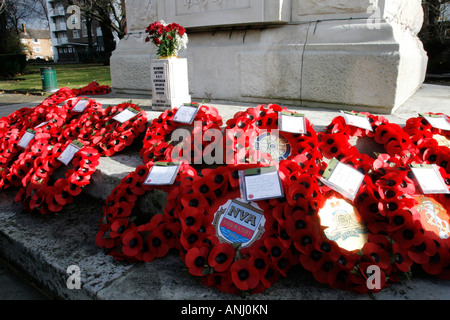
x,y
325,247
189,221
408,234
204,189
243,274
193,203
391,183
218,179
221,258
375,257
306,240
316,255
276,252
398,258
192,238
133,243
260,263
300,224
399,220
392,206
121,229
156,242
389,194
327,266
64,195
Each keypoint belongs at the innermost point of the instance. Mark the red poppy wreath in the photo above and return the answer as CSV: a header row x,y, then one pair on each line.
x,y
158,144
335,142
255,135
129,234
44,193
418,223
432,143
235,245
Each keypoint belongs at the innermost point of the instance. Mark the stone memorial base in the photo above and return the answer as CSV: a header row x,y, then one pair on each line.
x,y
170,83
361,55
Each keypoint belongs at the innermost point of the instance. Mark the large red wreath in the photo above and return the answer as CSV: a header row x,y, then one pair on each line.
x,y
228,266
127,234
247,128
335,141
158,147
55,127
394,201
423,135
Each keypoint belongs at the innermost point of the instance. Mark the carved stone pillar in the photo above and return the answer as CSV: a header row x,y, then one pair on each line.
x,y
346,54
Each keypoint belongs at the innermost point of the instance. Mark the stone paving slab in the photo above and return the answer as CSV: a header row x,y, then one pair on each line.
x,y
45,246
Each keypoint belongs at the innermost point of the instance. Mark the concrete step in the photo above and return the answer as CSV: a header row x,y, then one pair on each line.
x,y
44,247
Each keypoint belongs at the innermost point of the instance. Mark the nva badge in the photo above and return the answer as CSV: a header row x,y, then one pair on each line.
x,y
239,222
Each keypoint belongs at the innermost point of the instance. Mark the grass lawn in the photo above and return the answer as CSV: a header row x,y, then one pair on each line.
x,y
70,75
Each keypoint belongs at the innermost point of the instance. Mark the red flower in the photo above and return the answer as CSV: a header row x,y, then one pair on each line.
x,y
132,242
245,276
221,257
196,259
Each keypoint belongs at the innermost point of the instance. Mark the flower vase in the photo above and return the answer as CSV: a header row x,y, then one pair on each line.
x,y
170,83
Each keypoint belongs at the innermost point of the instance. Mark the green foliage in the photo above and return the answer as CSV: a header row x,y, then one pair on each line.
x,y
12,64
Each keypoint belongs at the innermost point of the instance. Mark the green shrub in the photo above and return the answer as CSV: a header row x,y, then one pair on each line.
x,y
12,64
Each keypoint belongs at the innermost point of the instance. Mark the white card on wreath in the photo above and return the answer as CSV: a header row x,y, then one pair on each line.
x,y
186,113
67,155
26,138
261,184
343,178
357,120
437,121
292,122
162,173
125,115
429,178
80,106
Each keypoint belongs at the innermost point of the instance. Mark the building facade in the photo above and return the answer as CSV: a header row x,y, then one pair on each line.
x,y
37,43
70,33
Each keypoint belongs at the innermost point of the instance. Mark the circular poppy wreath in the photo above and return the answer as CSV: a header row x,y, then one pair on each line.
x,y
251,137
43,193
224,264
335,141
156,146
343,243
47,124
127,234
93,88
417,223
433,144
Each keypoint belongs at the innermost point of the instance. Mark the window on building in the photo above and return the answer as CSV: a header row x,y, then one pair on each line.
x,y
70,50
36,41
65,50
76,34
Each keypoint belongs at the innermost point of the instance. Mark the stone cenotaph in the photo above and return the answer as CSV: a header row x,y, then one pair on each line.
x,y
361,55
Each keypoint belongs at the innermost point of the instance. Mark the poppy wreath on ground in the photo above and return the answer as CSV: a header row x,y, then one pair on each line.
x,y
111,136
432,143
415,221
335,142
93,88
128,234
44,193
253,136
157,145
46,123
230,256
347,243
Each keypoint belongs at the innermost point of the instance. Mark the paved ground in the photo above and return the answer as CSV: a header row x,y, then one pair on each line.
x,y
43,247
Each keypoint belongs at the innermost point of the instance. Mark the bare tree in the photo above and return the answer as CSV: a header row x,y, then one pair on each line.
x,y
111,16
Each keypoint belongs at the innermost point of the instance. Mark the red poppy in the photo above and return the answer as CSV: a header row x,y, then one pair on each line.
x,y
132,242
196,259
221,257
245,276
